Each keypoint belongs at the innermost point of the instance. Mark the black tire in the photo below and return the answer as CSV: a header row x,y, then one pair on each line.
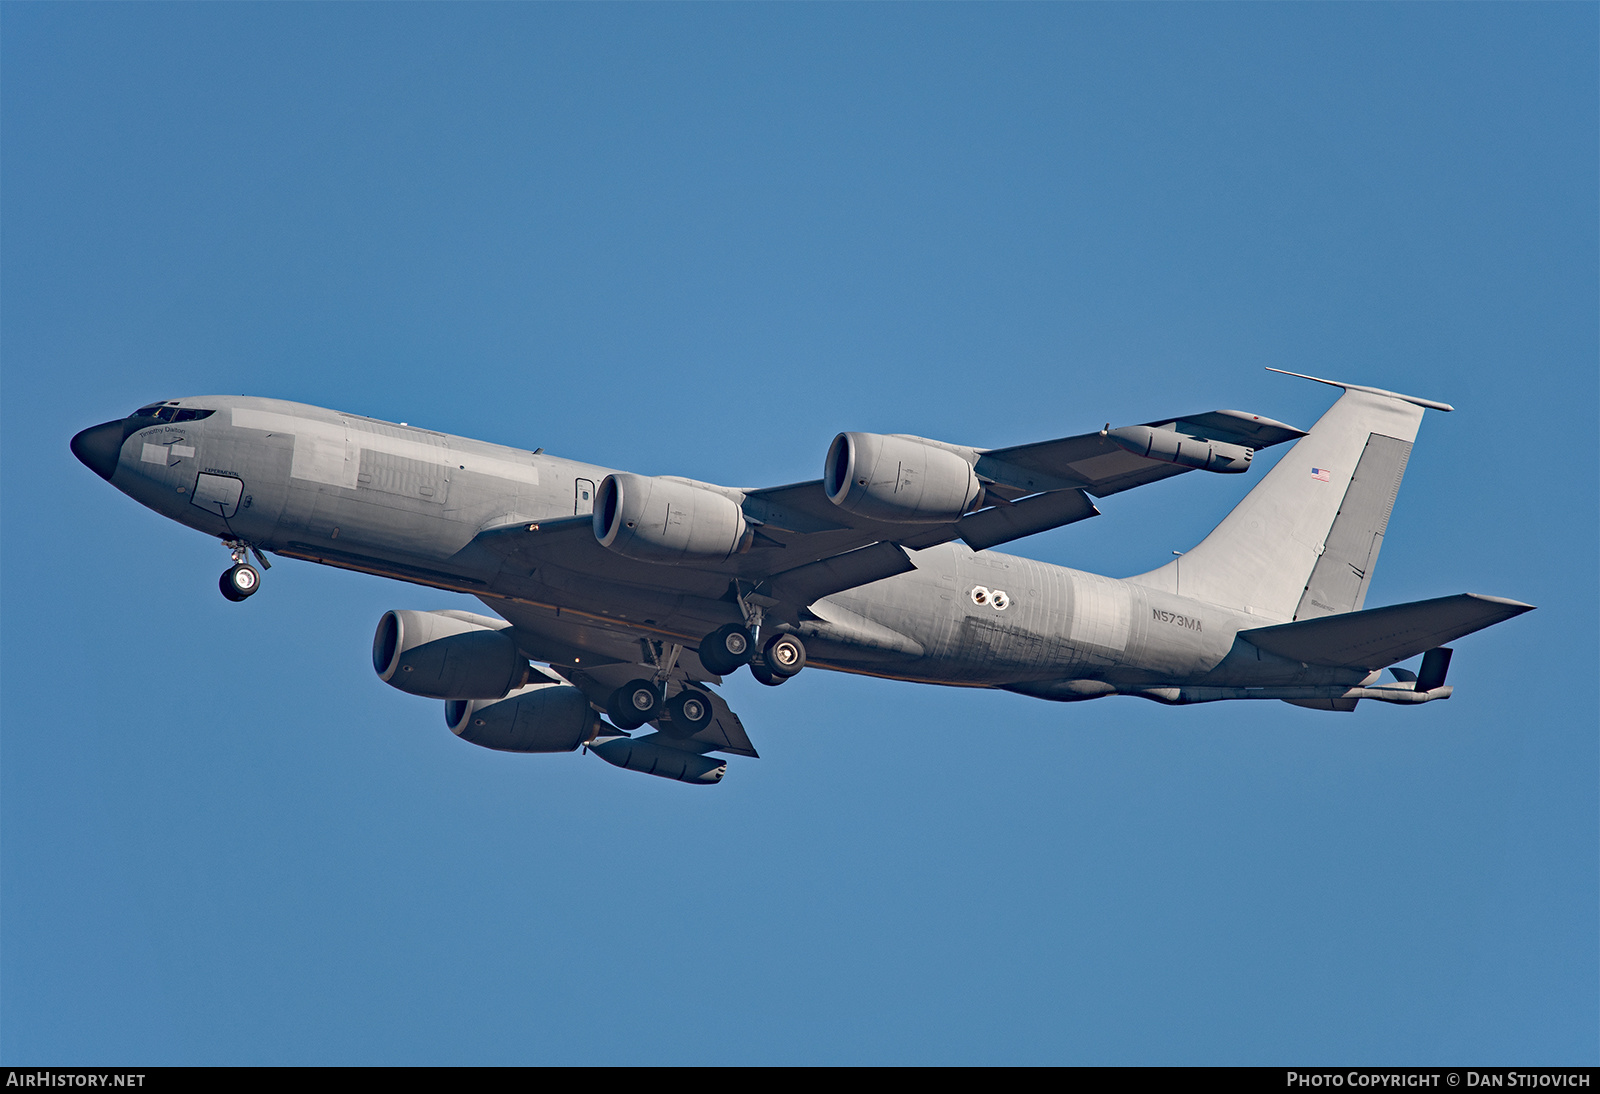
x,y
725,649
759,670
634,704
239,582
785,655
691,712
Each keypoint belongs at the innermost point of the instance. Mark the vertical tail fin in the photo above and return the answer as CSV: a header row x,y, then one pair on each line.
x,y
1303,543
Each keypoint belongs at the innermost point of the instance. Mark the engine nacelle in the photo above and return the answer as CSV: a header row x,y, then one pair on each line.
x,y
537,718
667,520
446,655
1186,451
663,761
903,480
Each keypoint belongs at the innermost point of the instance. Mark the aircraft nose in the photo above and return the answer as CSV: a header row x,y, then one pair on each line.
x,y
99,447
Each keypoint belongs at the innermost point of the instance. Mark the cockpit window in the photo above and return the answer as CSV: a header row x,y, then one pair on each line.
x,y
171,412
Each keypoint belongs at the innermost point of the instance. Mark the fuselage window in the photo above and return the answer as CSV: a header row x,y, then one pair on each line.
x,y
164,413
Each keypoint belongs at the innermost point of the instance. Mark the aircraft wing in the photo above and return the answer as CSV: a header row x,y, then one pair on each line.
x,y
1028,488
1098,464
803,547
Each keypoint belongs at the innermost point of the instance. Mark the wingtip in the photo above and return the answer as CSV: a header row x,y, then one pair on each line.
x,y
1517,607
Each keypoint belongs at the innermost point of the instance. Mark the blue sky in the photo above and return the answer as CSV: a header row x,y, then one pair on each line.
x,y
701,240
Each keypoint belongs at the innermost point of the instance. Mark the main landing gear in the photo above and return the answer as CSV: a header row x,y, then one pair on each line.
x,y
726,649
783,656
241,580
690,712
634,704
639,701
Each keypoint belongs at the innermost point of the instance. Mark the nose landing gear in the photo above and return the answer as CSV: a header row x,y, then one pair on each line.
x,y
241,580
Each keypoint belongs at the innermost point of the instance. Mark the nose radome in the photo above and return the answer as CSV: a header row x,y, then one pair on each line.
x,y
99,447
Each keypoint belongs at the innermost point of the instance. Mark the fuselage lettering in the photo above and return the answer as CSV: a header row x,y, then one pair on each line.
x,y
1187,622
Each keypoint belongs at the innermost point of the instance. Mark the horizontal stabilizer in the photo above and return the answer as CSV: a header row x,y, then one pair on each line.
x,y
1379,637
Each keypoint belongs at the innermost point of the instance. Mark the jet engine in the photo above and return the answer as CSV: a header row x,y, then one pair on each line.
x,y
1182,449
903,480
447,655
538,718
667,520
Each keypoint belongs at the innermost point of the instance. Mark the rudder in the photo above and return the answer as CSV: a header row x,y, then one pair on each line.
x,y
1303,543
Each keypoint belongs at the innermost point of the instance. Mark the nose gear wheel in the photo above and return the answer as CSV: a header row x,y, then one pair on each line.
x,y
239,581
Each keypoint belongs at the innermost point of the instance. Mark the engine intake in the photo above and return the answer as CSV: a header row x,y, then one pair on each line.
x,y
902,480
447,655
667,520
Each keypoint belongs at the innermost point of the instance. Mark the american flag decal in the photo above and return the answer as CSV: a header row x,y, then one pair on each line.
x,y
1320,474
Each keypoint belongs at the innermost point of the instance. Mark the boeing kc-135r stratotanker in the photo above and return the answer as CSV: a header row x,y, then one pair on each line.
x,y
628,594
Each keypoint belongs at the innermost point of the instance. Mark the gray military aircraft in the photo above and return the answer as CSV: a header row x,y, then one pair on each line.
x,y
628,594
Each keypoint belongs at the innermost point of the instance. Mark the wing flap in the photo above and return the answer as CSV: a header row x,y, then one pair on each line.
x,y
798,507
1004,523
815,580
724,734
1379,637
